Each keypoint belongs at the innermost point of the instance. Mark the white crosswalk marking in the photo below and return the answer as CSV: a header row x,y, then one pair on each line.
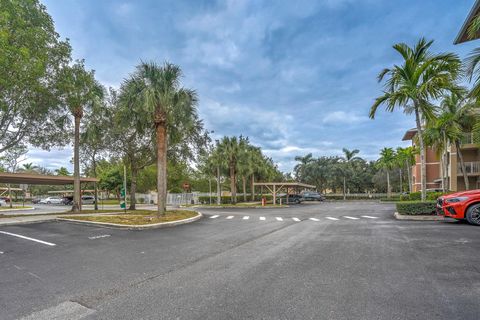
x,y
369,217
279,218
262,218
215,216
296,219
246,217
352,218
314,219
230,217
332,218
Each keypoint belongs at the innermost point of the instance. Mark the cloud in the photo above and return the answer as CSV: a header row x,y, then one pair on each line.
x,y
337,117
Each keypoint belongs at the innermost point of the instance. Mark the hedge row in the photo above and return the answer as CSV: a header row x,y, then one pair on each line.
x,y
416,207
415,196
228,199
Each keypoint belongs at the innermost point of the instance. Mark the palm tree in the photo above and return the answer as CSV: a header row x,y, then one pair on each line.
x,y
406,157
230,149
162,103
80,89
304,161
412,85
387,161
28,167
349,157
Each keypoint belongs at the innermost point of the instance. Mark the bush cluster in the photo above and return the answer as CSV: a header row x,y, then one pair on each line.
x,y
415,196
417,207
228,199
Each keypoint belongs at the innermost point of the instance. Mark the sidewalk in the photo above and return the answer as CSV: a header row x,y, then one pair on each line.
x,y
27,219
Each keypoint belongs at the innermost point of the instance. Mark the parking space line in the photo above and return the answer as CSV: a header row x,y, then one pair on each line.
x,y
332,218
246,217
351,218
370,217
296,219
215,216
313,219
229,217
279,218
262,218
28,238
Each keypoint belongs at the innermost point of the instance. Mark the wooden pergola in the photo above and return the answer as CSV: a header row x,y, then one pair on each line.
x,y
275,187
25,178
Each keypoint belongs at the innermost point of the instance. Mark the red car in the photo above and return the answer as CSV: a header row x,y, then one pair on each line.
x,y
461,205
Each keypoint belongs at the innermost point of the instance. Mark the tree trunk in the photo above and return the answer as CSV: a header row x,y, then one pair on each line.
x,y
10,196
344,188
219,190
252,187
401,182
244,187
161,167
77,201
409,177
133,188
233,185
95,188
423,166
389,191
462,165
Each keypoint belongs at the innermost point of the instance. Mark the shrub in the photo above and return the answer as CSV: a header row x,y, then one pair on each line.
x,y
416,196
228,199
416,207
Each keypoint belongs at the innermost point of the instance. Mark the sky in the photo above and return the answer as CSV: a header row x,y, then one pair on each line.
x,y
296,77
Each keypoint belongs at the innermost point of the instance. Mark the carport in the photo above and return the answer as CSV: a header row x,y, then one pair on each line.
x,y
275,187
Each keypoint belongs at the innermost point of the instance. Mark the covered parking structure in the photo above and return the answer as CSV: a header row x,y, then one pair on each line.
x,y
276,187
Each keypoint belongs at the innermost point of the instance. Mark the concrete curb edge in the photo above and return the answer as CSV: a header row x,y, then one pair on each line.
x,y
399,216
135,227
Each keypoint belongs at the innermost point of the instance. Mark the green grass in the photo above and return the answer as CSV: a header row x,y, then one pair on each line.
x,y
4,216
139,217
15,207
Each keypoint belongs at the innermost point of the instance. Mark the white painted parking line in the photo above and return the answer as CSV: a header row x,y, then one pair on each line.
x,y
215,216
314,219
28,238
332,218
279,219
100,236
369,217
230,217
262,218
352,218
296,219
246,217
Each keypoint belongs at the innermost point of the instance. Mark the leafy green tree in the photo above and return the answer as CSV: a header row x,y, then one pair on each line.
x,y
79,91
387,161
412,85
160,102
349,158
62,171
300,167
406,158
31,57
10,160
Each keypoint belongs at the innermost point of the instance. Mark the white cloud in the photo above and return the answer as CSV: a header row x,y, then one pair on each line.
x,y
337,117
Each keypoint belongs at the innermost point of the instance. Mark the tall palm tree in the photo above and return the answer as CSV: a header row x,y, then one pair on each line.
x,y
80,89
387,161
349,158
304,161
231,148
162,103
412,85
406,157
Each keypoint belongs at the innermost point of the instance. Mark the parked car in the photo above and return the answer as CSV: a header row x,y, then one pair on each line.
x,y
36,200
51,200
6,199
464,205
67,200
313,196
88,200
292,199
3,203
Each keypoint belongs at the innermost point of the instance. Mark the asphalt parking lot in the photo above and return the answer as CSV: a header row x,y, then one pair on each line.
x,y
338,260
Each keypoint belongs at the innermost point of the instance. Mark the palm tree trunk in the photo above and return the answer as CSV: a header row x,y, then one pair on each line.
x,y
133,188
244,187
252,187
161,167
344,188
409,177
219,191
462,165
389,191
95,187
423,166
76,166
401,182
233,185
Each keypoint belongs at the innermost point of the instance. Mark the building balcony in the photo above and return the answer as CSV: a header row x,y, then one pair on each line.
x,y
469,141
471,168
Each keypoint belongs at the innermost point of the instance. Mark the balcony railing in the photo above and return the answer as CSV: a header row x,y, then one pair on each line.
x,y
470,138
470,168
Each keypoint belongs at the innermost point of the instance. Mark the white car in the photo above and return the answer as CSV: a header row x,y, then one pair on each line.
x,y
51,200
3,203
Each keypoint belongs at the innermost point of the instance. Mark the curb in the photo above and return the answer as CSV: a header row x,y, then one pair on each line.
x,y
18,222
240,207
418,217
18,209
134,227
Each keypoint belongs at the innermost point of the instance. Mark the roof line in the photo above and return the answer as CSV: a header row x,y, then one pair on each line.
x,y
467,22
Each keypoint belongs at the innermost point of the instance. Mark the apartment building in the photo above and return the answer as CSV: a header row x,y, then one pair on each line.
x,y
470,151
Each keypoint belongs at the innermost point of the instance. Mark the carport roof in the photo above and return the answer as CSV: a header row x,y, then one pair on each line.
x,y
285,184
24,178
